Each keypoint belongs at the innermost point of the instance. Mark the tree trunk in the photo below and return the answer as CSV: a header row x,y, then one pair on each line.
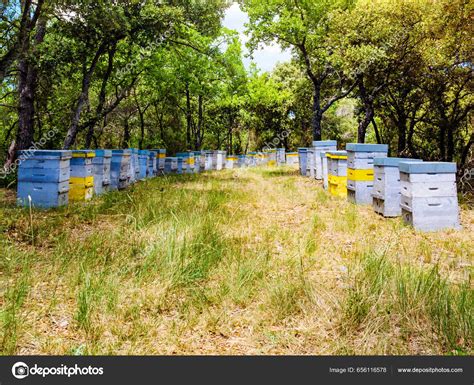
x,y
231,124
188,117
317,114
26,25
83,98
27,85
442,141
376,130
402,133
126,134
368,108
102,95
450,143
198,135
141,114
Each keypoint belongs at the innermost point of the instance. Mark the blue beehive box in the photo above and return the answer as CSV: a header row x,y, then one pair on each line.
x,y
143,163
120,169
386,192
160,160
318,147
303,156
43,176
152,164
171,165
197,163
101,165
180,165
429,199
188,161
134,165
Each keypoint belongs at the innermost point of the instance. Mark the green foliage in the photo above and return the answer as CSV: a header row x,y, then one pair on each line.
x,y
167,74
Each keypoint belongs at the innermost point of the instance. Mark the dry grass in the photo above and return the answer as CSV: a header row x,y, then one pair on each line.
x,y
254,261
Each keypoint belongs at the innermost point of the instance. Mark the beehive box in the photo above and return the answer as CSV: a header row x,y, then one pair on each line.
x,y
143,156
292,159
281,156
386,192
242,161
337,173
310,163
218,159
101,168
231,161
209,159
152,164
320,146
251,159
120,175
271,157
43,175
429,199
81,182
133,166
360,170
302,160
160,160
324,169
197,163
188,161
171,165
180,168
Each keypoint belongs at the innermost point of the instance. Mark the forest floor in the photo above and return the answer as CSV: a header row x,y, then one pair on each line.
x,y
249,261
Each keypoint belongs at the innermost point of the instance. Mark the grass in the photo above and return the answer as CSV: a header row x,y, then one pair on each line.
x,y
256,261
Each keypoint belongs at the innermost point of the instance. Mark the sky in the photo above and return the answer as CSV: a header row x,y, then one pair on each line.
x,y
265,58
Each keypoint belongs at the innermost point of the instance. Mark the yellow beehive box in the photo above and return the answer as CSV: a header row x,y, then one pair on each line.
x,y
82,182
78,193
360,175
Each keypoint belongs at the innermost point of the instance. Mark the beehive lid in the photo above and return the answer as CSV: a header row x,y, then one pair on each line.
x,y
324,143
363,147
45,154
393,162
302,149
122,152
143,152
83,154
336,154
103,153
427,167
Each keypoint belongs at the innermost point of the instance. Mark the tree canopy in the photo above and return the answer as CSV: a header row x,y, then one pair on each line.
x,y
147,74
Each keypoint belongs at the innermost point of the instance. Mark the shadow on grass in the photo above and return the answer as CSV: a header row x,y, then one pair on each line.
x,y
279,173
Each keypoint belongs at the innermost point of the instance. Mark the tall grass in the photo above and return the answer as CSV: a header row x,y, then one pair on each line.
x,y
14,297
387,295
244,261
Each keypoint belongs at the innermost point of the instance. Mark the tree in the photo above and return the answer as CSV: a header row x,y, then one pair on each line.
x,y
302,27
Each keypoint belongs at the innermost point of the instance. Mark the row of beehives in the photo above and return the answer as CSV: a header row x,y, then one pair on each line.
x,y
51,178
423,193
